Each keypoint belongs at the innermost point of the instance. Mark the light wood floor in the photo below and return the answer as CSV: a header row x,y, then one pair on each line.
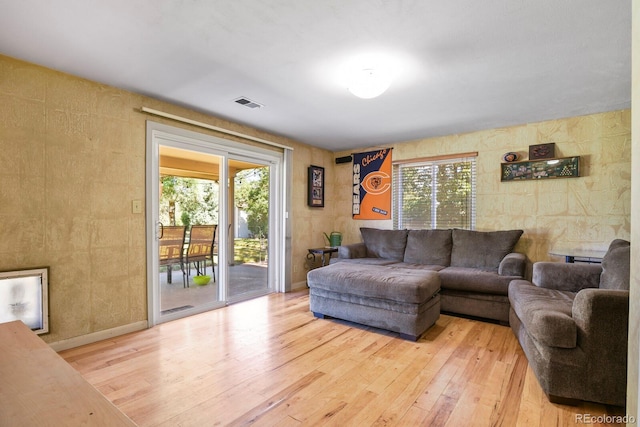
x,y
270,362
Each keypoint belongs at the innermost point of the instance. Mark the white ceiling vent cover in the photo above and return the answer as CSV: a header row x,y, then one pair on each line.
x,y
248,103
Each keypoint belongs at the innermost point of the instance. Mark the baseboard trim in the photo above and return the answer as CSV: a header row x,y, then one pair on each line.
x,y
121,330
98,336
299,285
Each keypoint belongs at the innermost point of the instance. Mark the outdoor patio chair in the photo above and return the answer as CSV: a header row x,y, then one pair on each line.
x,y
171,249
200,249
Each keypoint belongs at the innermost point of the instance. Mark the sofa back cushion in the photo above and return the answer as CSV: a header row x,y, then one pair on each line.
x,y
482,249
429,247
388,244
616,266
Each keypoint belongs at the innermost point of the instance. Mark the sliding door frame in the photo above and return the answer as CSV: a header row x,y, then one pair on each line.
x,y
160,134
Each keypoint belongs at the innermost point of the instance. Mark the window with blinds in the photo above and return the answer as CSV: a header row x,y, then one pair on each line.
x,y
435,193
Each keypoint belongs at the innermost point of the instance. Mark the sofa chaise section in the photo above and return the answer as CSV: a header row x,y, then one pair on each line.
x,y
406,301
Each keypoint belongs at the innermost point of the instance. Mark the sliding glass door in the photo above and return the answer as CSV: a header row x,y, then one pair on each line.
x,y
248,229
213,223
188,222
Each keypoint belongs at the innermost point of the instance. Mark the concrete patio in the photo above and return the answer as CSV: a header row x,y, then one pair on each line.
x,y
243,278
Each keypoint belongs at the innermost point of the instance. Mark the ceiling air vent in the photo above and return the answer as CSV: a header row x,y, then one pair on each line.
x,y
248,103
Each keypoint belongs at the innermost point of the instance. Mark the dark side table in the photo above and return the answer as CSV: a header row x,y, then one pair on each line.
x,y
580,255
324,253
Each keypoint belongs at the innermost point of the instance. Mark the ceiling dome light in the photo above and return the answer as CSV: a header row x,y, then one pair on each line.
x,y
369,83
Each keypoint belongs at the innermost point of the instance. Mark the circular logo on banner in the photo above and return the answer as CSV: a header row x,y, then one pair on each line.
x,y
376,182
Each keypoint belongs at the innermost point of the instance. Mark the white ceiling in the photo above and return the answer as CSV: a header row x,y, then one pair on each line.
x,y
460,65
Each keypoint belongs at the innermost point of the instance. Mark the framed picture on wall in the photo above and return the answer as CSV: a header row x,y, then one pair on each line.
x,y
567,167
315,197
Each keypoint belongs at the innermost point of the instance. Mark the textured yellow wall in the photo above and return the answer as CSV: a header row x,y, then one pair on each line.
x,y
586,212
309,224
70,170
73,159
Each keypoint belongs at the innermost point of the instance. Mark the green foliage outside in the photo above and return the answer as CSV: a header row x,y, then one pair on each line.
x,y
250,250
454,195
436,196
252,196
189,201
195,201
416,208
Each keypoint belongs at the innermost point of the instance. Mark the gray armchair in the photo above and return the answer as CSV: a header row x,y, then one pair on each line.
x,y
572,323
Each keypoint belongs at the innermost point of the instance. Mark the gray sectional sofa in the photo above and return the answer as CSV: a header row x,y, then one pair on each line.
x,y
474,269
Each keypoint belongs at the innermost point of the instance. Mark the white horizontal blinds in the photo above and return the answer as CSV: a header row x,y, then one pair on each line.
x,y
455,194
412,201
438,193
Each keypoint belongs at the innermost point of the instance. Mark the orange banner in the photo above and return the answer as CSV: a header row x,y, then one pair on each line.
x,y
372,185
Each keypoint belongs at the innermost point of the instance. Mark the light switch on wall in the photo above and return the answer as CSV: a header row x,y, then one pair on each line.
x,y
136,206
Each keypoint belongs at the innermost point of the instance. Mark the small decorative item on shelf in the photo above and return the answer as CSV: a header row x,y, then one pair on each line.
x,y
542,151
510,157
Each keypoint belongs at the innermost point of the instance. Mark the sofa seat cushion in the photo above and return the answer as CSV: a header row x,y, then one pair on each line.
x,y
364,261
431,247
407,286
482,249
414,266
544,313
474,280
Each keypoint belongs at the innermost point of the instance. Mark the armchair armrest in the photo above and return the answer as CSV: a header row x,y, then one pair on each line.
x,y
597,309
354,250
512,264
602,317
566,277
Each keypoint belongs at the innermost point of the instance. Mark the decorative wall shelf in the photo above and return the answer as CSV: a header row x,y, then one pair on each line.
x,y
566,167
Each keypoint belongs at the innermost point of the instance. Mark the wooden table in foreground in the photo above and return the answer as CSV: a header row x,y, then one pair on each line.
x,y
39,388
